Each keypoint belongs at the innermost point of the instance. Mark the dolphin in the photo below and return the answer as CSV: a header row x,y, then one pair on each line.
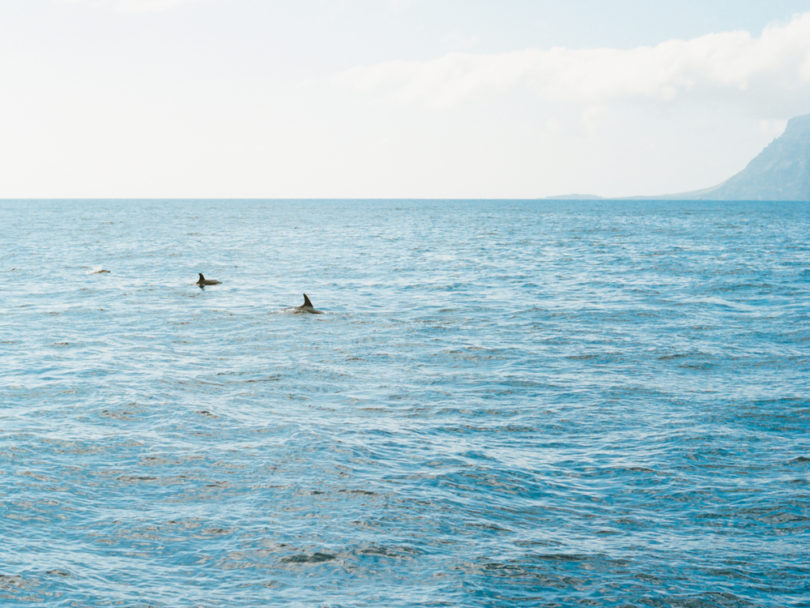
x,y
202,281
306,307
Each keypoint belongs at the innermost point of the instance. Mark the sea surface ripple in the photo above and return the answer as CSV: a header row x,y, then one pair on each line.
x,y
505,403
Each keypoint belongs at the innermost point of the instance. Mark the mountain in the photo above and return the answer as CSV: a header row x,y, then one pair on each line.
x,y
781,172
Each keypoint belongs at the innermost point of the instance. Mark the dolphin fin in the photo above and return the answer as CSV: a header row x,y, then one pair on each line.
x,y
307,302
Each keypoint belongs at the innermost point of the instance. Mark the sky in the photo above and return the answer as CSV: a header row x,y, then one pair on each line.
x,y
392,98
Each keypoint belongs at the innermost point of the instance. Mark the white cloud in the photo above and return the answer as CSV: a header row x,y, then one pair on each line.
x,y
771,72
132,6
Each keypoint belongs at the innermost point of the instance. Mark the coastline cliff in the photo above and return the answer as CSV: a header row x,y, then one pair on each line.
x,y
781,172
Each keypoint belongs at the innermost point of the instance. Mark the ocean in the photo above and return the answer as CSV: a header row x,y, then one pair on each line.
x,y
504,403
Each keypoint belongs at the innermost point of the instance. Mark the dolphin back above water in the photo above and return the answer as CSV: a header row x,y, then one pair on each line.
x,y
202,281
306,307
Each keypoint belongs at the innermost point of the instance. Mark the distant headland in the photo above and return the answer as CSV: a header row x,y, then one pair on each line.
x,y
781,172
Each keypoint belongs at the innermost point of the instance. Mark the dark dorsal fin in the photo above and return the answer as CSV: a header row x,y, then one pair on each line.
x,y
307,302
202,278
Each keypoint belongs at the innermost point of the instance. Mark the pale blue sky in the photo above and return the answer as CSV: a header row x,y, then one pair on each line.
x,y
428,98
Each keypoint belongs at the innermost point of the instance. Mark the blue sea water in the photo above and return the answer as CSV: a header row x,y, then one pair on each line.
x,y
505,403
